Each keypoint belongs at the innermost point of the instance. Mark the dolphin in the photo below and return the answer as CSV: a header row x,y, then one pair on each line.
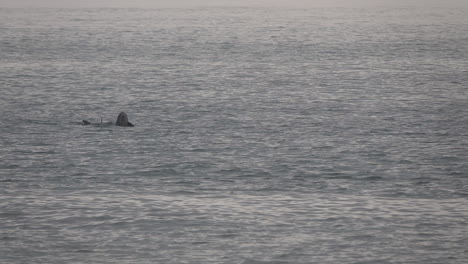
x,y
122,120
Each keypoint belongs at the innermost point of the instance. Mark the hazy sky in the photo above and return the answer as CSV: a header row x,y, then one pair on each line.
x,y
192,3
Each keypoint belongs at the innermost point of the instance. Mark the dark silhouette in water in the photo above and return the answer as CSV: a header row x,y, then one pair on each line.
x,y
122,120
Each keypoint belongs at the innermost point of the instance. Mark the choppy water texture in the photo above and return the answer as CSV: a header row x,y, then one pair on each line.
x,y
261,135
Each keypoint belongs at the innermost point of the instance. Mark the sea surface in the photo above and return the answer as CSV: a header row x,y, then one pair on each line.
x,y
262,135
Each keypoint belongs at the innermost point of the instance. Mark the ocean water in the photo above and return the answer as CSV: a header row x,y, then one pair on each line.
x,y
262,135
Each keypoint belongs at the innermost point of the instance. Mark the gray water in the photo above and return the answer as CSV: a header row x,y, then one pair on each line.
x,y
261,135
